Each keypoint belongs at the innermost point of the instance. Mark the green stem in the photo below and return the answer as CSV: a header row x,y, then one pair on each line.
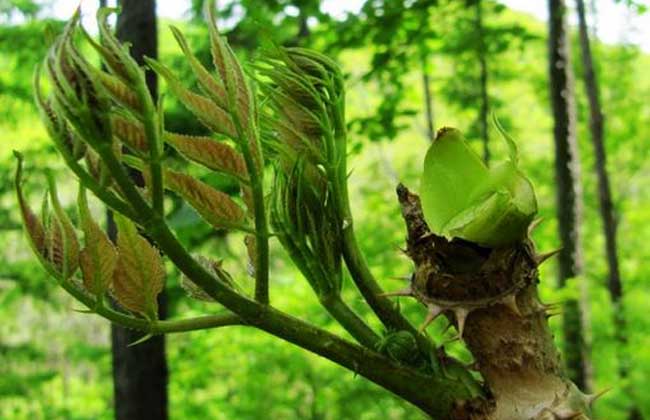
x,y
197,323
256,177
433,394
151,327
350,320
330,299
151,129
386,311
107,197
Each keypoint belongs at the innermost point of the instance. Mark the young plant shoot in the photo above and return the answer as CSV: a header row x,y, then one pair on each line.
x,y
474,261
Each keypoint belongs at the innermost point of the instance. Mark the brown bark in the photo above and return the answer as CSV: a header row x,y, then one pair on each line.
x,y
490,295
139,372
568,190
596,127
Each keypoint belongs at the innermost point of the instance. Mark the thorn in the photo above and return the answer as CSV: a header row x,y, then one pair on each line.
x,y
404,292
141,340
591,398
550,314
533,225
426,235
565,414
510,301
461,316
434,311
540,258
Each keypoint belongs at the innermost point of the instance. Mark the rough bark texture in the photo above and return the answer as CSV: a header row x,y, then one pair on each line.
x,y
139,372
490,295
483,78
596,127
567,177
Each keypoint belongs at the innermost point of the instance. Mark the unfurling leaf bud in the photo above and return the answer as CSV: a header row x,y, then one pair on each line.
x,y
77,97
52,238
462,198
33,226
66,141
399,346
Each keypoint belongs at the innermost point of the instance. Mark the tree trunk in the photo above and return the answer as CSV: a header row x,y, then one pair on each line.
x,y
428,98
139,372
596,126
569,208
493,294
483,77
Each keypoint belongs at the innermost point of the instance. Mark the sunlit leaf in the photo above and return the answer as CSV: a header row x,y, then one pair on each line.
x,y
98,258
209,153
62,239
139,274
208,112
33,226
215,207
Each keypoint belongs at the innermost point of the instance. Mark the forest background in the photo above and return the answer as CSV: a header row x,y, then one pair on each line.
x,y
411,67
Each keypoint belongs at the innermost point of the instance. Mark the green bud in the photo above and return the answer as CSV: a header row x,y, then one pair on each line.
x,y
399,346
463,198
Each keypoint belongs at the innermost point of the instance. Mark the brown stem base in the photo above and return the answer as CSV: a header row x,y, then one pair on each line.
x,y
490,295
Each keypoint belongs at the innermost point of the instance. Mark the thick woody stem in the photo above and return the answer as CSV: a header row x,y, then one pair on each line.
x,y
491,297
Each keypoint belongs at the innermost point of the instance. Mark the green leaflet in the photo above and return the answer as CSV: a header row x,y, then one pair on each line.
x,y
139,274
461,197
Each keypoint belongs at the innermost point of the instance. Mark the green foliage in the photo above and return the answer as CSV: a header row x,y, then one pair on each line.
x,y
492,207
227,373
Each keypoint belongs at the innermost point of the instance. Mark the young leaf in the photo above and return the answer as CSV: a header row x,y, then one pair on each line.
x,y
129,132
99,257
139,274
251,250
215,207
228,67
209,153
63,242
119,92
462,198
115,55
209,113
213,87
33,226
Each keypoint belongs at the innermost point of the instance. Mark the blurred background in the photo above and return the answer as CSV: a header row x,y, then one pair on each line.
x,y
412,66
